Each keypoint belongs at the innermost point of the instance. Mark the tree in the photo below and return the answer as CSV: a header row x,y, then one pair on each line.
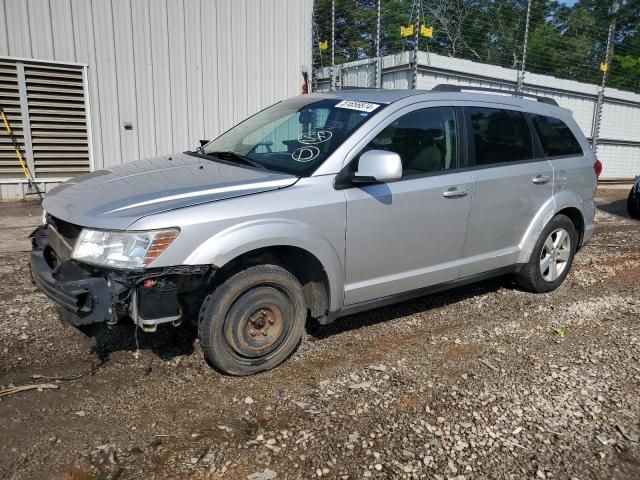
x,y
567,41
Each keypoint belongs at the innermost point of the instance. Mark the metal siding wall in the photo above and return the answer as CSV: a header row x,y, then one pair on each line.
x,y
396,80
268,52
619,161
160,81
177,76
211,68
225,64
254,34
145,124
62,29
81,13
280,45
193,58
125,79
4,30
18,31
239,53
362,74
40,26
620,121
178,70
109,119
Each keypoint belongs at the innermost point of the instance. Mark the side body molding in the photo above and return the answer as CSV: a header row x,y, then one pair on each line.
x,y
234,241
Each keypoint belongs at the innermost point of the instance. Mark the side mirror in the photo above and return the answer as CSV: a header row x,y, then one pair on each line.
x,y
204,142
378,166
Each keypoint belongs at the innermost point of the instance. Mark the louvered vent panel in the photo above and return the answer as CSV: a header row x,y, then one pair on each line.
x,y
10,102
58,120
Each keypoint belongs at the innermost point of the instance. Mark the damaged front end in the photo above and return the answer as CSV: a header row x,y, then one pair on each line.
x,y
89,294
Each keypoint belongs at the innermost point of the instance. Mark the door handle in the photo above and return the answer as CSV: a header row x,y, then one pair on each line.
x,y
454,192
541,179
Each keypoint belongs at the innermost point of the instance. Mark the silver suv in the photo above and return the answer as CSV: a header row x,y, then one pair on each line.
x,y
321,206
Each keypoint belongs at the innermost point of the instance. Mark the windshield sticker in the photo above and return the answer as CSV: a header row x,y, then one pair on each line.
x,y
305,154
356,105
312,138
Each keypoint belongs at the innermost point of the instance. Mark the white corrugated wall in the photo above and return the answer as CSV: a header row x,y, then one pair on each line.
x,y
178,70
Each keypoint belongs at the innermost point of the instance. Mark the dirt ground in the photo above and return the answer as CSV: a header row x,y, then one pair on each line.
x,y
484,381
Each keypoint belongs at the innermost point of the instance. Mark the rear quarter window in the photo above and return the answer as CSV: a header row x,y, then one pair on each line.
x,y
556,137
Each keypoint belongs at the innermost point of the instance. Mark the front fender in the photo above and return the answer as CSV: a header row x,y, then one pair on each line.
x,y
242,238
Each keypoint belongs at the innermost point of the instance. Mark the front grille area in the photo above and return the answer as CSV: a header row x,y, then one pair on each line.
x,y
68,231
62,237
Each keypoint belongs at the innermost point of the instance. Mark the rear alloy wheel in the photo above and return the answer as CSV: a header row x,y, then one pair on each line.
x,y
253,321
551,258
555,254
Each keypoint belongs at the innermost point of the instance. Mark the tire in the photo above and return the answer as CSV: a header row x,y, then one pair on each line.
x,y
253,321
633,204
538,275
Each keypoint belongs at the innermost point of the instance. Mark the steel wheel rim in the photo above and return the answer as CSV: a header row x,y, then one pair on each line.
x,y
261,326
555,254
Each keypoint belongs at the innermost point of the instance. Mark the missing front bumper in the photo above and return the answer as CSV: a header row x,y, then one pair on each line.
x,y
84,299
89,295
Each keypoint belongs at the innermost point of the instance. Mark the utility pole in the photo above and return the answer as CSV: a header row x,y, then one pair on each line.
x,y
595,130
523,65
417,4
378,59
333,44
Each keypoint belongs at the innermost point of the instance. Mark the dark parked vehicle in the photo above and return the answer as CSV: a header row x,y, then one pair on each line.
x,y
633,202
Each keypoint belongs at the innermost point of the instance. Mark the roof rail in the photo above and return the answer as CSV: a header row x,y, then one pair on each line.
x,y
446,87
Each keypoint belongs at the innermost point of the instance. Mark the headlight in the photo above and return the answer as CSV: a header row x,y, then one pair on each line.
x,y
122,249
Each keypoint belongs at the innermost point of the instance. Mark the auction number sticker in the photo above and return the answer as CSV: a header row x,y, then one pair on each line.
x,y
357,105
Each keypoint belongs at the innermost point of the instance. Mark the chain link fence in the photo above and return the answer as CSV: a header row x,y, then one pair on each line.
x,y
564,40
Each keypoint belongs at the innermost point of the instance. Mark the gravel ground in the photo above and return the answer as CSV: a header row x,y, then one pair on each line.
x,y
484,381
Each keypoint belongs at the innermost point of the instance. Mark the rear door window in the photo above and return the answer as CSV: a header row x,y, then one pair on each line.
x,y
499,135
556,137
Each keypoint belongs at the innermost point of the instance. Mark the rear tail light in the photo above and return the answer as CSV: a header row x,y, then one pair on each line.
x,y
597,168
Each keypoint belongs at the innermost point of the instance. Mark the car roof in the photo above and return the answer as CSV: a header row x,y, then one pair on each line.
x,y
389,96
377,95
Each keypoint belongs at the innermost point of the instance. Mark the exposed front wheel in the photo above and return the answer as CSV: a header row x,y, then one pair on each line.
x,y
551,258
253,321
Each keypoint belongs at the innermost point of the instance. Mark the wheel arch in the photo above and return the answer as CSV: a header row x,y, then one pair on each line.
x,y
577,219
292,244
305,266
565,202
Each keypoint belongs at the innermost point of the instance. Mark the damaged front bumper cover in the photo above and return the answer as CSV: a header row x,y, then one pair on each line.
x,y
87,295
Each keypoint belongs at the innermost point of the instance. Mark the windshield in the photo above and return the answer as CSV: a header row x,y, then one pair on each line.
x,y
294,136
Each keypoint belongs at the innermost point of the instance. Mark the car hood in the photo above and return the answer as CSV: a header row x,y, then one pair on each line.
x,y
117,197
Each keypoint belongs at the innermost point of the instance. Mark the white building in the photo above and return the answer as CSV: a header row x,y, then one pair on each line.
x,y
88,84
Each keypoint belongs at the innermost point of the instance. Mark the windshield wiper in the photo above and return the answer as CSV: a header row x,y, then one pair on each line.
x,y
235,157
